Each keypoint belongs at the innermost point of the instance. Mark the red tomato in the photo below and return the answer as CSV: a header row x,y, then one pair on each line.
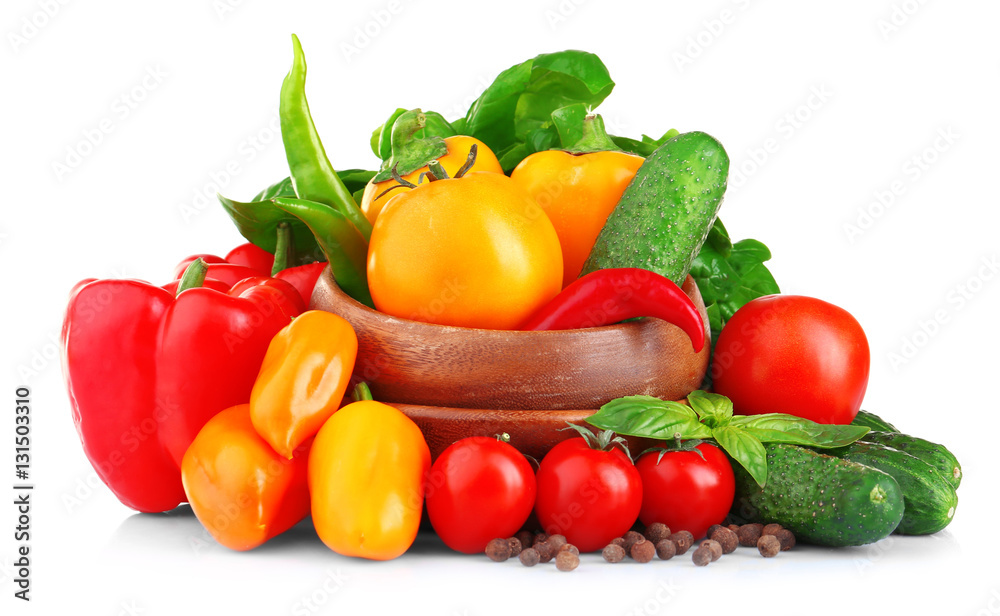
x,y
478,489
793,354
684,491
589,495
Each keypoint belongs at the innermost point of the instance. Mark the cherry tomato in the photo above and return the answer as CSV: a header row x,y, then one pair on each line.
x,y
479,488
793,354
684,490
588,495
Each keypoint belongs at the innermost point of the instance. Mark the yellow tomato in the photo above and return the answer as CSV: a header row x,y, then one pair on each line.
x,y
366,478
458,153
471,252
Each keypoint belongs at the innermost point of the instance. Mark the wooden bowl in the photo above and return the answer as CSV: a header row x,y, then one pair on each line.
x,y
431,365
532,432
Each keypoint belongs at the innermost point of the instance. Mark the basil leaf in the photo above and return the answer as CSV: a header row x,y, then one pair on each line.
x,y
729,276
782,428
649,417
517,107
714,410
746,449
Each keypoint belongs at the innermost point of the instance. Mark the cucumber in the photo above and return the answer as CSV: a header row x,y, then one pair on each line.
x,y
665,214
873,421
929,498
822,499
934,454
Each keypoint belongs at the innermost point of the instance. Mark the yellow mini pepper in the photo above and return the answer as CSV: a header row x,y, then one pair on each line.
x,y
366,477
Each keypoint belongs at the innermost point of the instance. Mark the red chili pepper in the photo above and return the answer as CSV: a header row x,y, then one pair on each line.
x,y
147,368
248,260
611,295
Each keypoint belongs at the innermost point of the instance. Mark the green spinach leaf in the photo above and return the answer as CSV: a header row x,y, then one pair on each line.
x,y
730,275
514,115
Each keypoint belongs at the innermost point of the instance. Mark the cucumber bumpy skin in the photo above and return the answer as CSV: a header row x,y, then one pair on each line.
x,y
823,500
934,454
666,212
929,498
873,421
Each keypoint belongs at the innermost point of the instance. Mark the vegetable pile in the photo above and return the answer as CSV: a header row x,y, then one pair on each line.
x,y
223,390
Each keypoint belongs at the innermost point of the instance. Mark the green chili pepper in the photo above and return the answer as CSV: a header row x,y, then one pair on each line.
x,y
312,174
341,241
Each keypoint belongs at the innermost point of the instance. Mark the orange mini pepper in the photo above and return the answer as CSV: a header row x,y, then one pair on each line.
x,y
240,489
302,379
366,477
578,189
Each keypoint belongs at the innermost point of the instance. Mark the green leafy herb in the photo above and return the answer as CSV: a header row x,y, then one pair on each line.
x,y
281,188
710,416
258,222
650,417
730,275
647,145
713,410
745,448
514,115
781,428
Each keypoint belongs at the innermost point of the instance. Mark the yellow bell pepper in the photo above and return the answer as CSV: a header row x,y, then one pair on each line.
x,y
366,478
302,379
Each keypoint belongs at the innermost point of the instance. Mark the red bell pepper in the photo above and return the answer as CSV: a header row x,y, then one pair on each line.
x,y
250,260
147,369
611,295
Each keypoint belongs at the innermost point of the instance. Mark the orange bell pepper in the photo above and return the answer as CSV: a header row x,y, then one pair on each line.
x,y
578,189
240,489
366,477
302,379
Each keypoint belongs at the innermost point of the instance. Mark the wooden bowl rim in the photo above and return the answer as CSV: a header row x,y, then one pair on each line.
x,y
431,328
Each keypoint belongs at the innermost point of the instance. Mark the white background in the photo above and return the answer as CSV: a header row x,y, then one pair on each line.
x,y
733,68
